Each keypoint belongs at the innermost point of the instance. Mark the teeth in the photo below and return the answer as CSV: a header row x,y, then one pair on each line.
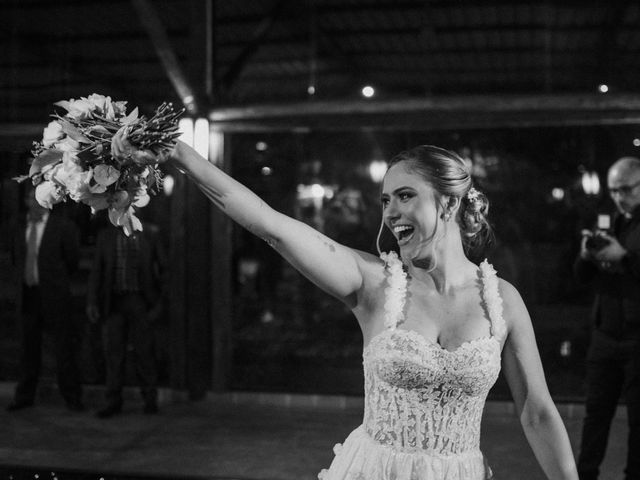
x,y
402,228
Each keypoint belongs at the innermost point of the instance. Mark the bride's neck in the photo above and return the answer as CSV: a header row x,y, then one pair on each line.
x,y
447,269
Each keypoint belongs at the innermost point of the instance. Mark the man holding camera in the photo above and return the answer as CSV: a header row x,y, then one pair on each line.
x,y
611,260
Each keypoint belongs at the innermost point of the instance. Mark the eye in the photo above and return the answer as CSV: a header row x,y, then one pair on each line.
x,y
384,201
404,196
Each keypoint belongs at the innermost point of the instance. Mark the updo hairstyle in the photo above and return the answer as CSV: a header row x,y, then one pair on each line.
x,y
448,175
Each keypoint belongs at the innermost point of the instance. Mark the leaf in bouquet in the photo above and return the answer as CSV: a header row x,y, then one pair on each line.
x,y
47,157
99,129
66,104
73,132
96,202
132,117
120,200
105,174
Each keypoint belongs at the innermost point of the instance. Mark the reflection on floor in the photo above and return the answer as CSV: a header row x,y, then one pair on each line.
x,y
233,436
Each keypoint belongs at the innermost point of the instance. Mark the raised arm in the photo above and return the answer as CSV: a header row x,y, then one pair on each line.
x,y
538,415
333,267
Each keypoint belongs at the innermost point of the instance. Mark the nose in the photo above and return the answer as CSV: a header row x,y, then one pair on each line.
x,y
390,212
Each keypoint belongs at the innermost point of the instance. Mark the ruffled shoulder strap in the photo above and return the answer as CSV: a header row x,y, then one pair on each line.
x,y
395,291
492,299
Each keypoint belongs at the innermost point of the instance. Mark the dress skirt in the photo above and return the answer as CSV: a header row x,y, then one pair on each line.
x,y
362,458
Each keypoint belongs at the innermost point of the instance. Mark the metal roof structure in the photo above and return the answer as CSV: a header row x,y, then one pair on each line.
x,y
214,54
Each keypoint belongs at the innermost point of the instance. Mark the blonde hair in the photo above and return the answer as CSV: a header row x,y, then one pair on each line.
x,y
448,174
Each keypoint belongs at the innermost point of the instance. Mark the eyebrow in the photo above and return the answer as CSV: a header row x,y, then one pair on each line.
x,y
396,191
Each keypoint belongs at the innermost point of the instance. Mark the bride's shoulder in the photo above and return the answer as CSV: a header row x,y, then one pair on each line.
x,y
514,308
373,267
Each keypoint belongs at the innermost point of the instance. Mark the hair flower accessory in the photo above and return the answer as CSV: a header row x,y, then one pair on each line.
x,y
474,199
74,158
473,195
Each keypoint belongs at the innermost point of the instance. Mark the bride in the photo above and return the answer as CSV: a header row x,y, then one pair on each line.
x,y
437,328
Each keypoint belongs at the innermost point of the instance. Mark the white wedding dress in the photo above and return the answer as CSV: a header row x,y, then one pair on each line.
x,y
423,403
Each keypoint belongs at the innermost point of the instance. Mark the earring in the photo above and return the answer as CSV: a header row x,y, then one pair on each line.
x,y
446,216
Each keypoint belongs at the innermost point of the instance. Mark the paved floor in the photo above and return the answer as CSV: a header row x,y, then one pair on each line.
x,y
238,436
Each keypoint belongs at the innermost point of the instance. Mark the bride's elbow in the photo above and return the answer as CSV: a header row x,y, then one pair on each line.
x,y
535,417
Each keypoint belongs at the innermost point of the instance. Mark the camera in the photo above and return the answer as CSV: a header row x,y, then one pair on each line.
x,y
596,239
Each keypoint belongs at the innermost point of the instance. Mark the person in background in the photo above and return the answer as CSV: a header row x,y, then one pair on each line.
x,y
45,254
611,261
125,290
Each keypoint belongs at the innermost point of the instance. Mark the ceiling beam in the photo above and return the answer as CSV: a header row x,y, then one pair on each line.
x,y
152,24
451,112
446,112
235,69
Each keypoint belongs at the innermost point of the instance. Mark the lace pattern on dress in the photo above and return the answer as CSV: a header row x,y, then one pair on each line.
x,y
423,403
420,396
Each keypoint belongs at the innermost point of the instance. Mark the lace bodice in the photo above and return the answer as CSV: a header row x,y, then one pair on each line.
x,y
420,396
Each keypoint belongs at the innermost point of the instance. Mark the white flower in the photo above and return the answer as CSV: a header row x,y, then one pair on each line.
x,y
119,108
97,100
76,180
77,109
125,219
52,133
109,111
48,194
69,147
141,198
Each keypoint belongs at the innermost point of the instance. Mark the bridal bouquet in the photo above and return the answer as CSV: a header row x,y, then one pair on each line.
x,y
75,159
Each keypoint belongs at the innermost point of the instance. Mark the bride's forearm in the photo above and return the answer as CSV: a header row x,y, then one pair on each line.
x,y
550,443
229,195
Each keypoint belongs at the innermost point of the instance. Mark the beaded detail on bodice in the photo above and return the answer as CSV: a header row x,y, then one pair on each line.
x,y
420,396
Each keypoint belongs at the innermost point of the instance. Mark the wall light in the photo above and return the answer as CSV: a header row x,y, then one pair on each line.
x,y
557,194
201,137
377,170
603,88
185,125
368,91
591,183
196,134
168,182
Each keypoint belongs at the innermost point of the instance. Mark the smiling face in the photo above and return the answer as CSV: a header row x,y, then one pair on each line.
x,y
410,210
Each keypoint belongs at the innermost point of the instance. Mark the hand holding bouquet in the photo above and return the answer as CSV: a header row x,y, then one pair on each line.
x,y
101,156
